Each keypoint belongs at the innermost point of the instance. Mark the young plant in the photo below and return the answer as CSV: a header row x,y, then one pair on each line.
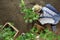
x,y
27,36
31,35
30,16
7,34
48,35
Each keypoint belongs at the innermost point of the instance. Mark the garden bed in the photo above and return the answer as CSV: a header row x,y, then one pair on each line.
x,y
8,32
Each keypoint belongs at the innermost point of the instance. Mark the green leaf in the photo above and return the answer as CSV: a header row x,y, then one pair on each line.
x,y
26,21
30,21
34,18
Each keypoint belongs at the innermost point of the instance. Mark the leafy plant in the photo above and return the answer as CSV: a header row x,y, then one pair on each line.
x,y
30,16
48,35
7,34
27,36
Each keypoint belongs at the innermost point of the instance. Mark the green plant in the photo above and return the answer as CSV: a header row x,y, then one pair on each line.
x,y
30,16
7,34
48,35
27,36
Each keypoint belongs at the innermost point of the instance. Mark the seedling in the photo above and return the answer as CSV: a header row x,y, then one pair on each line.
x,y
9,25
